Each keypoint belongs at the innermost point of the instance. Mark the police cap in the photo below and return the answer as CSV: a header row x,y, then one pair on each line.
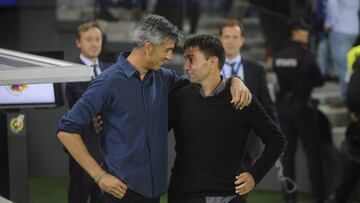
x,y
298,24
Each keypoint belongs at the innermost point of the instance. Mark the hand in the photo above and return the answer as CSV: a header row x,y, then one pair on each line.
x,y
354,118
244,183
241,96
97,122
113,186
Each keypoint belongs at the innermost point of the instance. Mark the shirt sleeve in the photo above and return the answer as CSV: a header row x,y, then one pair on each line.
x,y
271,136
93,101
176,81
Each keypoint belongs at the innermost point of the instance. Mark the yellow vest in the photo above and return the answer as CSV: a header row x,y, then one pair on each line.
x,y
352,55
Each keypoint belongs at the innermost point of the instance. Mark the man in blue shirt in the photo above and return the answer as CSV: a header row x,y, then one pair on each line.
x,y
132,98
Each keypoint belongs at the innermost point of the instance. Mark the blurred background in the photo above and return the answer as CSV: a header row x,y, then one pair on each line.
x,y
50,26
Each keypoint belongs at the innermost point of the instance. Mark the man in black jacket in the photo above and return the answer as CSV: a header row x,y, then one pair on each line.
x,y
89,41
231,35
211,135
298,73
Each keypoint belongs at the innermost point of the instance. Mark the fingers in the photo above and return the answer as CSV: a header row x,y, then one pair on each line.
x,y
241,96
248,99
97,122
244,183
237,99
241,99
234,96
113,186
98,130
118,193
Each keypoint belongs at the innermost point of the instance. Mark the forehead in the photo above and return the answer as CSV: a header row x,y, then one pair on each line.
x,y
168,44
193,51
233,30
300,31
90,31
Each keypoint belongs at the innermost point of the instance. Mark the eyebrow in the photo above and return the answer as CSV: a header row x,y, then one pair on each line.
x,y
188,55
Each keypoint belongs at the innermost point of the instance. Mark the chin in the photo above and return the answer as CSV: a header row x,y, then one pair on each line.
x,y
192,80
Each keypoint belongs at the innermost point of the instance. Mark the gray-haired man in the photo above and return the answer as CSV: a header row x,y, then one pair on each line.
x,y
132,98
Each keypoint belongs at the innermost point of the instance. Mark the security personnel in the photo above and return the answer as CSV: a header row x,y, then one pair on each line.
x,y
298,73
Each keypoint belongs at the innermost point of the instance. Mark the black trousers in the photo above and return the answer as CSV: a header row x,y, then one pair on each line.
x,y
82,185
129,197
349,180
299,121
237,199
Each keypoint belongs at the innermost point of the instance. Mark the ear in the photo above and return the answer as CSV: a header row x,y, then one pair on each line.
x,y
214,61
148,47
77,43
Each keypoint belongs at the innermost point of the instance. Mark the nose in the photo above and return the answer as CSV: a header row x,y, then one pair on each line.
x,y
93,44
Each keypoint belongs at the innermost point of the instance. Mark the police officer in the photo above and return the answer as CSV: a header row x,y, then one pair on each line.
x,y
298,73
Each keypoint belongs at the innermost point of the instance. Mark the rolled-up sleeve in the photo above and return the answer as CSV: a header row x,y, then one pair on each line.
x,y
92,102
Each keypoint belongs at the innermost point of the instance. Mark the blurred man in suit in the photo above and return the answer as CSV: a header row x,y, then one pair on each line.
x,y
89,41
231,35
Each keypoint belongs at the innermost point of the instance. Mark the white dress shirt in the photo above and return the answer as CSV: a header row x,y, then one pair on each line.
x,y
91,64
227,71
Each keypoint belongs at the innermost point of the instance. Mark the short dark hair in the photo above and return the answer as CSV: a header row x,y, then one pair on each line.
x,y
298,24
209,45
232,23
87,26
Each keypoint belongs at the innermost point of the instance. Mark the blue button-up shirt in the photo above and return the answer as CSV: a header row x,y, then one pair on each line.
x,y
135,116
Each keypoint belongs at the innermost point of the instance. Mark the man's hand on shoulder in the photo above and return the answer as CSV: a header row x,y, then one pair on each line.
x,y
241,95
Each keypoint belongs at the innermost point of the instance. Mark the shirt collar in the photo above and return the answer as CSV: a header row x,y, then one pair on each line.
x,y
87,61
128,68
217,91
237,59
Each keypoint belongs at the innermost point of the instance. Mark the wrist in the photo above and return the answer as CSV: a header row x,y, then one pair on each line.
x,y
99,177
235,77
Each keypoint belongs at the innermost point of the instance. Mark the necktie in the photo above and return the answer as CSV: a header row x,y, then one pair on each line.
x,y
232,65
96,69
